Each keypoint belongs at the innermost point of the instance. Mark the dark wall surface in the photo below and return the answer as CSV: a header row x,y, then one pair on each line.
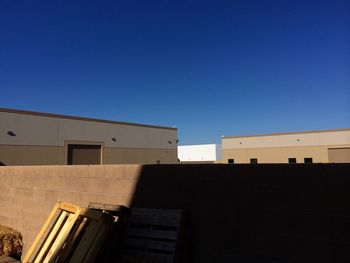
x,y
237,213
256,213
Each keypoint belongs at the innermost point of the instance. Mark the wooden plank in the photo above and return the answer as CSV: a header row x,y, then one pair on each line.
x,y
71,208
72,239
105,222
61,238
87,239
140,256
7,259
41,233
150,244
91,214
151,233
107,207
150,220
50,238
160,258
174,213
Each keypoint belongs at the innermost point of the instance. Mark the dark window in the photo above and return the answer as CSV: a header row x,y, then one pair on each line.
x,y
308,160
231,161
84,154
253,161
292,160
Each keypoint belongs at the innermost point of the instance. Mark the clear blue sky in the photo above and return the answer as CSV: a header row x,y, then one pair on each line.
x,y
210,68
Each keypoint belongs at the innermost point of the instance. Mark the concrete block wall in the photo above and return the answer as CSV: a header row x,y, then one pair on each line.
x,y
28,193
237,213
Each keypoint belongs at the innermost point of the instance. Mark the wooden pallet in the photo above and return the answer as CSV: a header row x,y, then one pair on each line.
x,y
153,235
109,251
94,234
55,233
70,234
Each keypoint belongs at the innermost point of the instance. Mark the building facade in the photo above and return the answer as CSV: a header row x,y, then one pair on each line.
x,y
31,138
199,153
327,146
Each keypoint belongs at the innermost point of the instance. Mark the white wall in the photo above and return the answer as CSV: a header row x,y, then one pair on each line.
x,y
203,152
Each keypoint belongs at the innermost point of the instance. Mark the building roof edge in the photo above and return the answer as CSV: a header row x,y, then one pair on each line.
x,y
59,116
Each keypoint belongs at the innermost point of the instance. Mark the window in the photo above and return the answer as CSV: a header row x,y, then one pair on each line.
x,y
292,160
307,160
254,161
231,161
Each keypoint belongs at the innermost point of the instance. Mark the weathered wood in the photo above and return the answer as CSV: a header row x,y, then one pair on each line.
x,y
151,233
107,207
154,220
52,234
41,233
174,213
7,259
149,244
61,238
92,239
130,255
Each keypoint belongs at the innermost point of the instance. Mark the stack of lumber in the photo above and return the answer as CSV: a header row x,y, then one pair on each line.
x,y
11,243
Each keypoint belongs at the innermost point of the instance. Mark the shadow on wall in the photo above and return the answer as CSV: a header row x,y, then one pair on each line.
x,y
260,213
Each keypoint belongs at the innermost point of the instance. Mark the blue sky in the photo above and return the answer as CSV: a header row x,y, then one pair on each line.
x,y
210,68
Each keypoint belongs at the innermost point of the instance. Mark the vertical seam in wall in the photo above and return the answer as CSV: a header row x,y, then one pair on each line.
x,y
57,142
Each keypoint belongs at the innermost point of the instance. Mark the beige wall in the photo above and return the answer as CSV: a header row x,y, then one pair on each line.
x,y
277,155
134,156
336,137
31,155
43,140
277,148
27,194
47,131
43,155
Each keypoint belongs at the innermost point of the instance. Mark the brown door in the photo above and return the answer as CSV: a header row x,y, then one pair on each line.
x,y
339,155
84,154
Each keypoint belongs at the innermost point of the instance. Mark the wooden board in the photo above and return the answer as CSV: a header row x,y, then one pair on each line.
x,y
6,259
93,237
152,235
53,235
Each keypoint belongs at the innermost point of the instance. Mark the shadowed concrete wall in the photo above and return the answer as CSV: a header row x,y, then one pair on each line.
x,y
237,213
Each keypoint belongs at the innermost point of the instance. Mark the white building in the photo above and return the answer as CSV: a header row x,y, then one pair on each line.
x,y
199,153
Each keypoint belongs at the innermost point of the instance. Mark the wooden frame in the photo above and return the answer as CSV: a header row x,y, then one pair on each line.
x,y
70,234
53,234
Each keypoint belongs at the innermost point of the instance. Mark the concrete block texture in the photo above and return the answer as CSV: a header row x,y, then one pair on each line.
x,y
248,213
28,193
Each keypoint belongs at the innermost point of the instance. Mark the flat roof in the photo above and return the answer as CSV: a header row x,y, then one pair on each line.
x,y
285,133
51,115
